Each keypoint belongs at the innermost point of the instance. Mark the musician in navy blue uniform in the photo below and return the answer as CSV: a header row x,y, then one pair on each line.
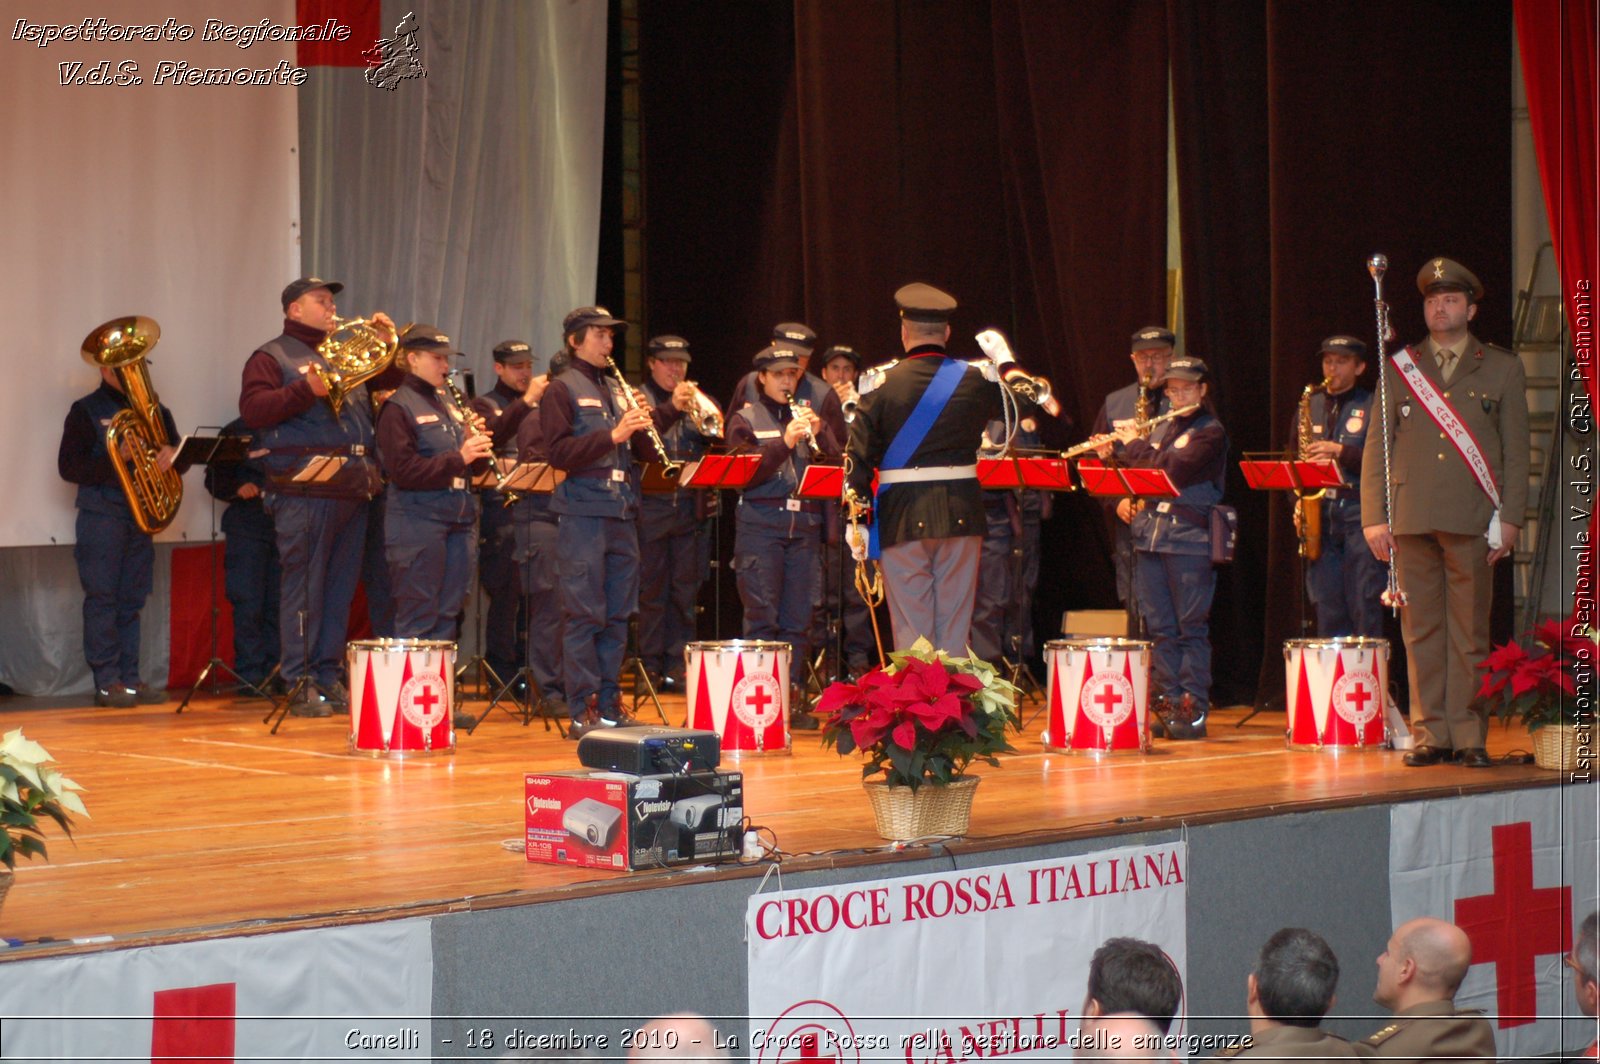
x,y
1174,577
1345,583
429,452
809,390
249,560
116,559
778,542
503,409
841,369
674,527
1151,353
320,529
592,433
538,557
1008,567
929,508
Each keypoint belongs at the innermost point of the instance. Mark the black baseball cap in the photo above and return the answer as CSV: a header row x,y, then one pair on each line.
x,y
673,347
776,356
584,317
1153,336
513,353
296,289
421,337
1186,369
842,351
1344,345
797,334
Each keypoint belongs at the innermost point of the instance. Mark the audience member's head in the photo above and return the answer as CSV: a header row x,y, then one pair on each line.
x,y
1125,1036
1127,975
1295,977
677,1036
1585,977
1425,960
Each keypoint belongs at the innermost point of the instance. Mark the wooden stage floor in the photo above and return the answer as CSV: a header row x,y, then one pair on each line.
x,y
205,824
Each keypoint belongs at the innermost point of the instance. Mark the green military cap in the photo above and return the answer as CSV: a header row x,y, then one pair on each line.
x,y
925,303
1448,275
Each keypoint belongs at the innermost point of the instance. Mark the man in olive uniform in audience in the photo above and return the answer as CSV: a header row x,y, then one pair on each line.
x,y
1419,972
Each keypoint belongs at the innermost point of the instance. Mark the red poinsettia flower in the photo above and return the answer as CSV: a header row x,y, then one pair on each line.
x,y
905,734
1497,668
1541,674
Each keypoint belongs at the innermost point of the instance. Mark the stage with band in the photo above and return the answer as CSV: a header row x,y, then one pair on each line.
x,y
205,824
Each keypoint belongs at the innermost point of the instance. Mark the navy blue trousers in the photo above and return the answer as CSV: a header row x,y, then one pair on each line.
x,y
319,548
1175,593
778,571
599,575
1345,583
251,578
116,564
430,572
537,553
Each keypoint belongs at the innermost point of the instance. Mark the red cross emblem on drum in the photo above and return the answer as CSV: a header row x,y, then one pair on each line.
x,y
1107,699
422,701
1355,697
756,700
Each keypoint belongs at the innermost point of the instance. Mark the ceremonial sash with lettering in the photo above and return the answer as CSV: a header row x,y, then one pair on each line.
x,y
1444,415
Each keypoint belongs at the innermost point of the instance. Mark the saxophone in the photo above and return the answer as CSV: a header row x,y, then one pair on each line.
x,y
1308,508
1141,407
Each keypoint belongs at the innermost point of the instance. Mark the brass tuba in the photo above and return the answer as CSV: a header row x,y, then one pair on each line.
x,y
1308,507
137,434
357,350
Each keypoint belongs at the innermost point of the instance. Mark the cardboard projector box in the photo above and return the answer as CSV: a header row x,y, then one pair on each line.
x,y
617,821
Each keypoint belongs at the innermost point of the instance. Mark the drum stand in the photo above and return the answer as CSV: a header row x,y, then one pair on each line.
x,y
216,663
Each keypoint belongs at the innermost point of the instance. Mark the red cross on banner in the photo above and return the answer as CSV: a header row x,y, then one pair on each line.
x,y
810,1053
1516,924
193,1023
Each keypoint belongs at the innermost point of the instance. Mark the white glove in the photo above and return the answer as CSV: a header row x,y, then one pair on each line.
x,y
994,344
856,537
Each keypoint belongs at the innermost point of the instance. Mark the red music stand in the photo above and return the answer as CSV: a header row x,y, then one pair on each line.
x,y
821,480
1274,472
1125,482
1034,472
714,471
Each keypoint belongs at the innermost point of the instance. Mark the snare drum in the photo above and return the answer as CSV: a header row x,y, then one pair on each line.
x,y
739,688
400,697
1099,695
1337,693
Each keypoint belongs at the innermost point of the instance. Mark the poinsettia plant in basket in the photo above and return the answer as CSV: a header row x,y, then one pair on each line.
x,y
922,718
1540,687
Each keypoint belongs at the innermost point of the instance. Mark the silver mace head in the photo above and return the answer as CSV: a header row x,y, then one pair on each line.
x,y
1376,265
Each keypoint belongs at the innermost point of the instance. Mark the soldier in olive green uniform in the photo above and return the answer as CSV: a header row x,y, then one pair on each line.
x,y
1419,972
1442,513
1287,995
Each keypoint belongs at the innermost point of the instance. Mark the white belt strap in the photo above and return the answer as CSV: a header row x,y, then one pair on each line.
x,y
926,473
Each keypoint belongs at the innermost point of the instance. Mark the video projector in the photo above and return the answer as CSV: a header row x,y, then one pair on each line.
x,y
651,751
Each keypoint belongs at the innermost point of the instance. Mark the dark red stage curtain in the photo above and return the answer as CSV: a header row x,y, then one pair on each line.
x,y
1558,42
1219,99
189,628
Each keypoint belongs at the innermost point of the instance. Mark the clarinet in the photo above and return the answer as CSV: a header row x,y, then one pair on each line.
x,y
669,468
472,429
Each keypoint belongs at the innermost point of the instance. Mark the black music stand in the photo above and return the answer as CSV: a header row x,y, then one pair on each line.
x,y
1307,479
1020,470
523,478
823,481
217,450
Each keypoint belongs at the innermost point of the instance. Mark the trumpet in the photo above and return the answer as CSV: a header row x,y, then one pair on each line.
x,y
850,403
1141,427
669,469
704,415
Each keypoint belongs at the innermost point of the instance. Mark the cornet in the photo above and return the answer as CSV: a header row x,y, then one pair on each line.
x,y
703,414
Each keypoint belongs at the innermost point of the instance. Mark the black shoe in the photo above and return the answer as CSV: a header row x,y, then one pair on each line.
x,y
463,720
617,717
146,695
1186,720
117,697
671,685
1474,757
646,682
1423,756
583,724
337,696
1160,710
554,708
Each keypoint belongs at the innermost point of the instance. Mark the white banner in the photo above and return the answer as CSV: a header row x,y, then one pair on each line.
x,y
1517,871
952,966
337,994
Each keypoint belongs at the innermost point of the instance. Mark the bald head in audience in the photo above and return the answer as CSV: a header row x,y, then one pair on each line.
x,y
678,1036
1425,960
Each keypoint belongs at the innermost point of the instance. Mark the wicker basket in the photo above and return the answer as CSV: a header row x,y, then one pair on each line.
x,y
929,810
1555,747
